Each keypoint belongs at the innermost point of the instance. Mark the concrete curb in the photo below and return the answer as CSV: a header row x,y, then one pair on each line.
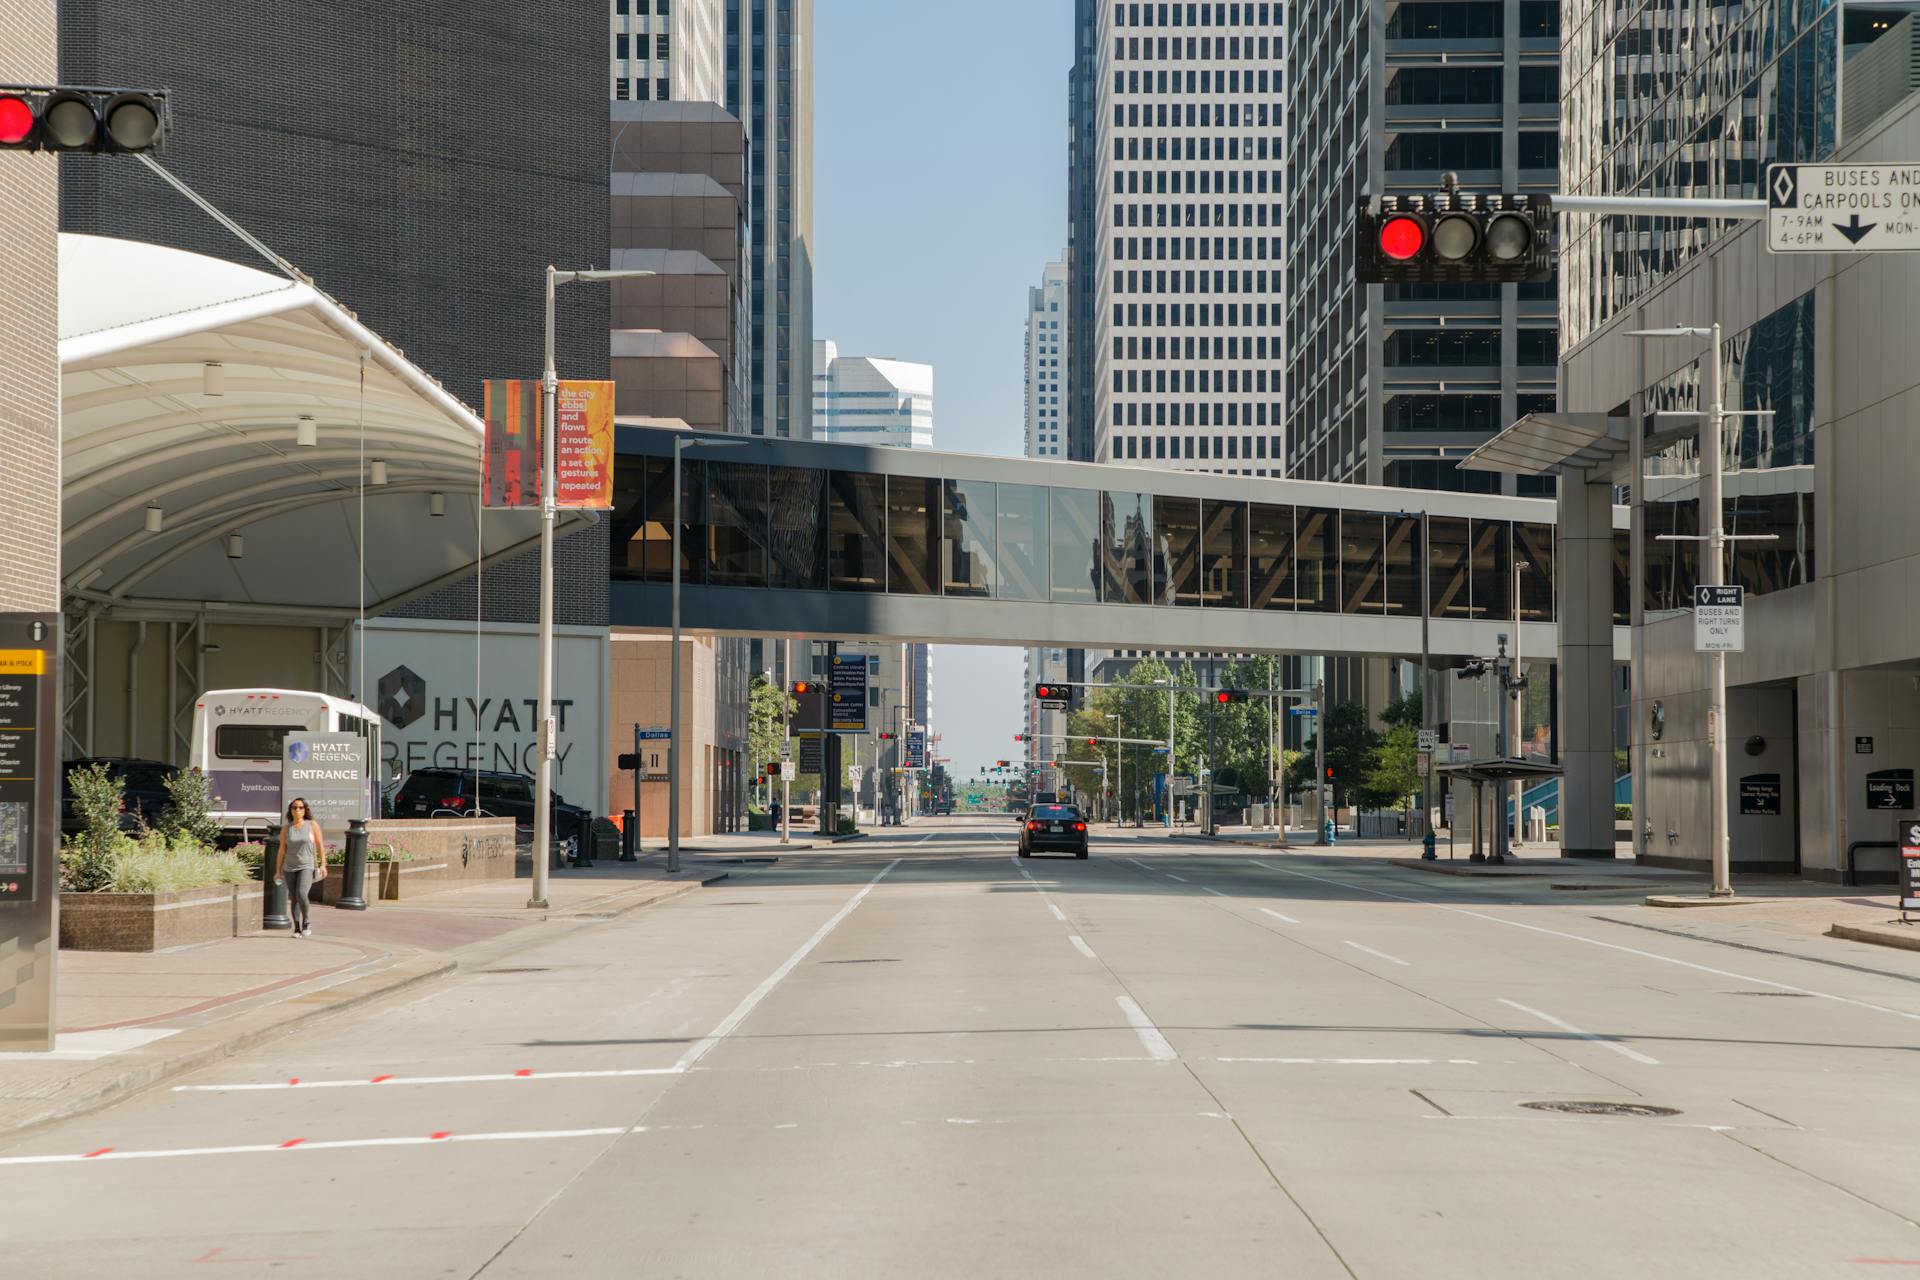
x,y
124,1075
1879,935
1701,900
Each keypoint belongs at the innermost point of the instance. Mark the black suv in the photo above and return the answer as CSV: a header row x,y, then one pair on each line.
x,y
144,795
484,793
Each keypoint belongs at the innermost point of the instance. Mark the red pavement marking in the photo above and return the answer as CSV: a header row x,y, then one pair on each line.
x,y
380,1079
291,1142
102,1151
523,1072
294,1081
1888,1262
369,953
438,1136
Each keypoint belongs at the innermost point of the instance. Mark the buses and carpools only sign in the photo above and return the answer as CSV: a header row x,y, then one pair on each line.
x,y
1843,208
328,771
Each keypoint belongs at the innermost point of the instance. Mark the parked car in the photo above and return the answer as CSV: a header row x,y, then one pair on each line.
x,y
145,794
485,793
1054,826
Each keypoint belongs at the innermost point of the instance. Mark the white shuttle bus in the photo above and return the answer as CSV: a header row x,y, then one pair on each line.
x,y
237,737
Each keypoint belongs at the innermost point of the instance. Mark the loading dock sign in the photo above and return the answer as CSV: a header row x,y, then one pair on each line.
x,y
1890,789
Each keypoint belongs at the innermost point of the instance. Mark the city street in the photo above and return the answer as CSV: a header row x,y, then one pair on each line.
x,y
919,1055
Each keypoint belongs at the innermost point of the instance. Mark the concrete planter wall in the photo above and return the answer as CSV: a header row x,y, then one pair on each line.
x,y
151,921
446,853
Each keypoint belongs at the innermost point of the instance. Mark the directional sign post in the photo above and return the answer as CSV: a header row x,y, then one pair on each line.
x,y
1719,619
1843,208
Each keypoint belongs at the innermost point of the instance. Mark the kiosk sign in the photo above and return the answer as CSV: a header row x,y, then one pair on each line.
x,y
1909,837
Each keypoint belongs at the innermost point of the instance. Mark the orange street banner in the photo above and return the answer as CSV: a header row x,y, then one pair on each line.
x,y
583,451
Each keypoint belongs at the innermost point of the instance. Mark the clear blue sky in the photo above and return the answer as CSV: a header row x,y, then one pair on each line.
x,y
940,165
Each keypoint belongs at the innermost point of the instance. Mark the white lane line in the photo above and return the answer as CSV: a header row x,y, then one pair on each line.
x,y
1155,1044
1058,914
1564,1025
1080,945
335,1144
1143,866
1277,916
383,1081
1610,946
700,1048
1181,879
1361,946
1361,1062
1268,866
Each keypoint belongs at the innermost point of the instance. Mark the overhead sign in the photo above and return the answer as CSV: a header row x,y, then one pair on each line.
x,y
330,771
1843,208
847,693
1909,838
1719,619
583,450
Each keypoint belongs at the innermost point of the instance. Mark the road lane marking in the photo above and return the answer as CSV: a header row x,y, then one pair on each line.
x,y
1611,946
1361,946
727,1025
1277,916
1143,866
1620,1049
1181,879
1155,1044
1362,1062
305,1144
1080,945
388,1081
1058,914
1215,892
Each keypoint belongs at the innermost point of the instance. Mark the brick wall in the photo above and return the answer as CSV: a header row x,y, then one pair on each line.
x,y
29,350
424,162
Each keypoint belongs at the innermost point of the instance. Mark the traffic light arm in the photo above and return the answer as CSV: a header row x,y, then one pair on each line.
x,y
1662,207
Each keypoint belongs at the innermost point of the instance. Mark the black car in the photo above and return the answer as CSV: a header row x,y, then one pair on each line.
x,y
484,793
144,795
1054,826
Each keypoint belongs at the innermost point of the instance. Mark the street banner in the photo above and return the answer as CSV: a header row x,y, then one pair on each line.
x,y
583,451
847,693
916,748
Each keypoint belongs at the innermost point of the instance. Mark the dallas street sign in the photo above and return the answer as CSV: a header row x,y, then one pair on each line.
x,y
1843,208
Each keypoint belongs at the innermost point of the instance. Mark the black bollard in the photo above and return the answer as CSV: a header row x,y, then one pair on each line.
x,y
353,875
629,838
273,897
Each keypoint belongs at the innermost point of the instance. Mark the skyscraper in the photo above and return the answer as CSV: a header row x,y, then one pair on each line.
x,y
669,50
1083,144
769,76
1049,336
871,399
1188,114
1393,384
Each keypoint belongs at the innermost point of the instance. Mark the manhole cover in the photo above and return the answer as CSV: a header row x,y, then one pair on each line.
x,y
1603,1108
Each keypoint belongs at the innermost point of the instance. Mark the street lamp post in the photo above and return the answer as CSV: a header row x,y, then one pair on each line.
x,y
680,445
1119,773
549,511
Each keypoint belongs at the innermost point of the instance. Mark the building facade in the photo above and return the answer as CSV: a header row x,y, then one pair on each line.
x,y
769,88
1048,339
1188,116
1392,384
668,50
871,399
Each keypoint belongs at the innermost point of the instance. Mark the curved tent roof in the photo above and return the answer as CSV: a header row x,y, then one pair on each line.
x,y
146,421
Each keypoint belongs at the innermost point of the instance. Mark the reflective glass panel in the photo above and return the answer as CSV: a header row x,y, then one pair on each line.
x,y
1622,577
1362,572
913,562
1492,568
855,531
1402,557
1270,556
1316,559
1223,541
737,524
1534,548
796,502
1447,573
1073,545
693,521
1176,528
967,537
1021,541
1126,548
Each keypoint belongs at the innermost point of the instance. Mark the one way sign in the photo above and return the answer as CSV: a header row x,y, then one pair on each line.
x,y
1843,208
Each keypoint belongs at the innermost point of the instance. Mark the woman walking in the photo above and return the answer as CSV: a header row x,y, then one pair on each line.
x,y
298,860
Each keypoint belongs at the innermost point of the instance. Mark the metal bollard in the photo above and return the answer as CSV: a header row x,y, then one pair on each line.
x,y
273,897
353,875
629,838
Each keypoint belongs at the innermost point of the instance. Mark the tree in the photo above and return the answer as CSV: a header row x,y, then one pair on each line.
x,y
768,707
1350,743
1395,772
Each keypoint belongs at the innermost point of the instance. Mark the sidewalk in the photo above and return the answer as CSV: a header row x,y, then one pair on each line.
x,y
130,1020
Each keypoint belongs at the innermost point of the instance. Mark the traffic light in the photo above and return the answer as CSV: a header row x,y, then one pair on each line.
x,y
627,762
1226,697
109,121
1019,737
1093,742
1453,238
801,688
888,737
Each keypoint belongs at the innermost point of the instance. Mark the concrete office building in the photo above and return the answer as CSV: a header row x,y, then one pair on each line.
x,y
871,399
669,50
1823,710
1189,111
769,89
1392,385
1083,240
1048,338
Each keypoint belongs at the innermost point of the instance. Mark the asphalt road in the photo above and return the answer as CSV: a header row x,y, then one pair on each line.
x,y
921,1056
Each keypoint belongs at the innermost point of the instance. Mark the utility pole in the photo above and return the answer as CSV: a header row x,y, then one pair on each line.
x,y
1321,787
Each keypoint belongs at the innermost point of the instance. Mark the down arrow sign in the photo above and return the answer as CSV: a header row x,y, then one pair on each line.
x,y
1852,229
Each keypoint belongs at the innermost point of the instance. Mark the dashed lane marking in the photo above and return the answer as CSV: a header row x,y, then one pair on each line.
x,y
1080,945
1566,1026
1277,916
1156,1045
1361,946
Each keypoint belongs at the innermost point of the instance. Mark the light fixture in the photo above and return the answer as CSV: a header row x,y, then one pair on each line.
x,y
378,472
436,504
156,518
236,546
213,378
306,432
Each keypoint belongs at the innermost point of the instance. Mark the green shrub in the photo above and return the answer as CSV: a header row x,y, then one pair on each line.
x,y
189,808
156,864
86,857
252,854
1623,813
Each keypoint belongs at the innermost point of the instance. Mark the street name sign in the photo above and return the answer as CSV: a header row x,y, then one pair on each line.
x,y
1719,619
1843,208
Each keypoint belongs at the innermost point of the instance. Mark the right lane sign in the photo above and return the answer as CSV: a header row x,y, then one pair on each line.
x,y
1843,208
1719,619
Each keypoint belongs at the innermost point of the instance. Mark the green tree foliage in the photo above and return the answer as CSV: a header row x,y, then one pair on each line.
x,y
1395,774
768,707
1350,744
187,816
86,857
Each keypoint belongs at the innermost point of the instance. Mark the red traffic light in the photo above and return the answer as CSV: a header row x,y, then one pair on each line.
x,y
109,121
1093,742
1223,697
801,688
1329,773
1053,691
1401,238
16,120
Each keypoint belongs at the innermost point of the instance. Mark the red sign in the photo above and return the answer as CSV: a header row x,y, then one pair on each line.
x,y
583,450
